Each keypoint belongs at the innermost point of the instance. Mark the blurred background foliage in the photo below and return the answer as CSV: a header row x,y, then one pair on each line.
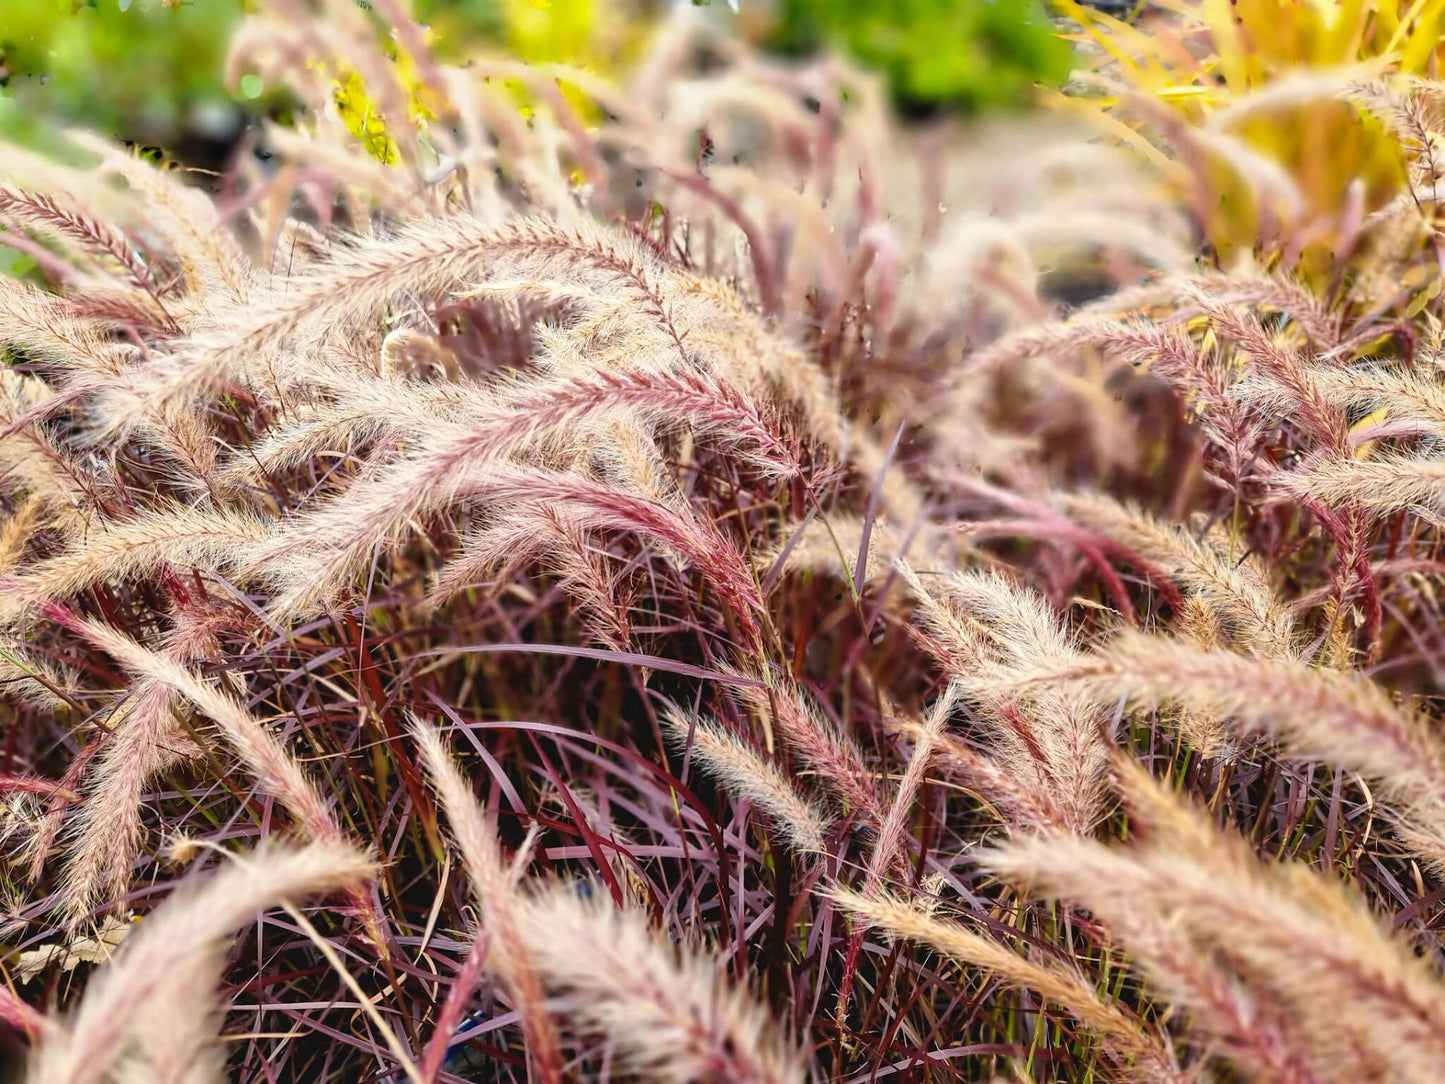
x,y
1218,94
149,71
969,54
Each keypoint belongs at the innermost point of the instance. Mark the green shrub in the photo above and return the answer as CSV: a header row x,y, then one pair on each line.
x,y
965,53
142,70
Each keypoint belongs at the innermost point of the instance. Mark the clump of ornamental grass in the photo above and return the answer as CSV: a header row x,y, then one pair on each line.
x,y
697,579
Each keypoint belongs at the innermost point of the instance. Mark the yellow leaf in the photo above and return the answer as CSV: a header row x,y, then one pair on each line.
x,y
1424,38
1369,421
1423,298
363,120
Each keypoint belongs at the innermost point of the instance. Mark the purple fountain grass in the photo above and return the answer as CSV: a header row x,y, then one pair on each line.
x,y
897,607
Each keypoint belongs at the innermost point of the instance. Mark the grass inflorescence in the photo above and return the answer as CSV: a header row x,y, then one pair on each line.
x,y
696,579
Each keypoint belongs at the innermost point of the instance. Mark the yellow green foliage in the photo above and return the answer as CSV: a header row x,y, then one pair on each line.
x,y
1241,92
